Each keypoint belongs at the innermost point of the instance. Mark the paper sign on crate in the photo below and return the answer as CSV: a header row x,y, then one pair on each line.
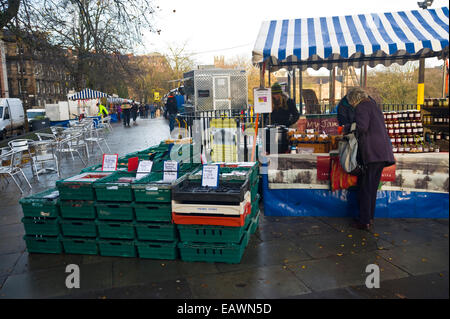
x,y
109,162
170,171
144,168
210,176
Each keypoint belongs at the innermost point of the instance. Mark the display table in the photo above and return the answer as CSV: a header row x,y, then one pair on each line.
x,y
299,185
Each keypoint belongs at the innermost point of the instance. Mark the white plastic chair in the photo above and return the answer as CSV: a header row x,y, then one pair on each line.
x,y
22,146
45,152
13,168
92,137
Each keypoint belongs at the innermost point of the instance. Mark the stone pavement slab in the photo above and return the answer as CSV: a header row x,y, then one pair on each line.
x,y
262,282
342,271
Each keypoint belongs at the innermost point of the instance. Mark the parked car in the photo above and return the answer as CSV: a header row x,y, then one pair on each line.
x,y
11,116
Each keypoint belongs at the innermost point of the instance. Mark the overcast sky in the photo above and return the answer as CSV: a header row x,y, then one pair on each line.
x,y
230,27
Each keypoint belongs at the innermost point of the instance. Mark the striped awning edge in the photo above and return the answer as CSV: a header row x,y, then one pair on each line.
x,y
371,39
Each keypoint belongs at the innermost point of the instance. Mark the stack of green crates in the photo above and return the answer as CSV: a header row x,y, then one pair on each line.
x,y
41,222
78,213
222,243
156,234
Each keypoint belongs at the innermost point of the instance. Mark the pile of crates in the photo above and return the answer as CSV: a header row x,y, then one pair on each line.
x,y
115,214
216,225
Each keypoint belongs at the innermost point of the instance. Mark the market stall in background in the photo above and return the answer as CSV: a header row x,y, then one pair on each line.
x,y
309,181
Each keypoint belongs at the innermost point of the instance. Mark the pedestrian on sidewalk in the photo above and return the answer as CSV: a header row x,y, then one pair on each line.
x,y
126,109
375,150
119,111
172,110
134,111
147,107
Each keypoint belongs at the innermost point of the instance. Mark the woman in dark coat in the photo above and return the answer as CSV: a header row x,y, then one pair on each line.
x,y
375,152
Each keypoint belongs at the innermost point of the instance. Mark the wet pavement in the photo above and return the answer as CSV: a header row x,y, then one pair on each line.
x,y
287,257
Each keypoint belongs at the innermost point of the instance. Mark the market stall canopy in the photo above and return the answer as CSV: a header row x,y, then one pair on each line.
x,y
372,39
88,94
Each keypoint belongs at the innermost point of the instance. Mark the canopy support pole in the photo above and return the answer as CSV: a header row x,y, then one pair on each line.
x,y
295,86
289,83
332,94
421,83
300,84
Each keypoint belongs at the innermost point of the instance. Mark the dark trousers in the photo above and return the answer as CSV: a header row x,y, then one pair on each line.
x,y
126,117
368,183
134,115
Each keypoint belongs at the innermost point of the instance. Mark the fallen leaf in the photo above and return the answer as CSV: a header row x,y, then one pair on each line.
x,y
404,240
363,244
163,265
389,258
424,260
441,275
380,248
320,247
364,238
354,245
204,285
342,245
304,267
401,296
376,235
285,261
350,236
339,254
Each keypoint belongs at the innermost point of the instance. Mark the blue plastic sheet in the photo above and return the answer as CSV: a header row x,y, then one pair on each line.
x,y
344,203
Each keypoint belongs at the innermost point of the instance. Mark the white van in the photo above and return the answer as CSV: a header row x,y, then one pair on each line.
x,y
11,116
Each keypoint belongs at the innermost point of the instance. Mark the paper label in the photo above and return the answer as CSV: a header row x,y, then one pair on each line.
x,y
144,168
110,162
210,176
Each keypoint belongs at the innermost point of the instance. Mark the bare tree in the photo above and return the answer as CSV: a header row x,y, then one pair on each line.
x,y
95,32
8,10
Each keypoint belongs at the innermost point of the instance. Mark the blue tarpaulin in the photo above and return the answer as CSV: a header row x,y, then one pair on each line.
x,y
320,202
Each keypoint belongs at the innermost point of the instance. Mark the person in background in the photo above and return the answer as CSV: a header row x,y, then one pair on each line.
x,y
375,150
102,111
345,114
119,111
284,111
126,109
152,110
134,111
172,110
141,111
147,108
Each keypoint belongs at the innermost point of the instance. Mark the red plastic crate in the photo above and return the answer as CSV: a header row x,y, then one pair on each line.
x,y
189,219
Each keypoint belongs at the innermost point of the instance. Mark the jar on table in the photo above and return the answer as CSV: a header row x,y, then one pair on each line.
x,y
410,139
419,148
426,148
438,136
389,117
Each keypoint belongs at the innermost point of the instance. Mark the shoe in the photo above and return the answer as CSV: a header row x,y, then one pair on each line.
x,y
360,226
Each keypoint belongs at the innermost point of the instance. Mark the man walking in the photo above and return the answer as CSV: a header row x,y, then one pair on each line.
x,y
126,110
171,106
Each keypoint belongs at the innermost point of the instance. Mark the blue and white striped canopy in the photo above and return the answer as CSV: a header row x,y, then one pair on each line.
x,y
88,94
371,39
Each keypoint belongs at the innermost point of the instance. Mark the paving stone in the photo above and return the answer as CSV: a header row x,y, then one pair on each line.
x,y
325,245
276,252
11,230
133,271
29,262
7,263
172,289
419,259
429,286
11,245
261,282
340,293
342,271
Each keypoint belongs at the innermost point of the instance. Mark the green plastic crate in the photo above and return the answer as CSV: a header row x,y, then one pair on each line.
x,y
45,245
152,189
78,228
157,250
44,204
226,253
115,211
116,187
78,209
213,234
117,248
153,212
115,230
255,205
41,226
156,231
79,187
255,223
83,246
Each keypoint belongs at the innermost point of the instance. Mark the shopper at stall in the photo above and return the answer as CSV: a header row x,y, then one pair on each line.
x,y
345,114
376,153
119,111
126,110
171,106
284,111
